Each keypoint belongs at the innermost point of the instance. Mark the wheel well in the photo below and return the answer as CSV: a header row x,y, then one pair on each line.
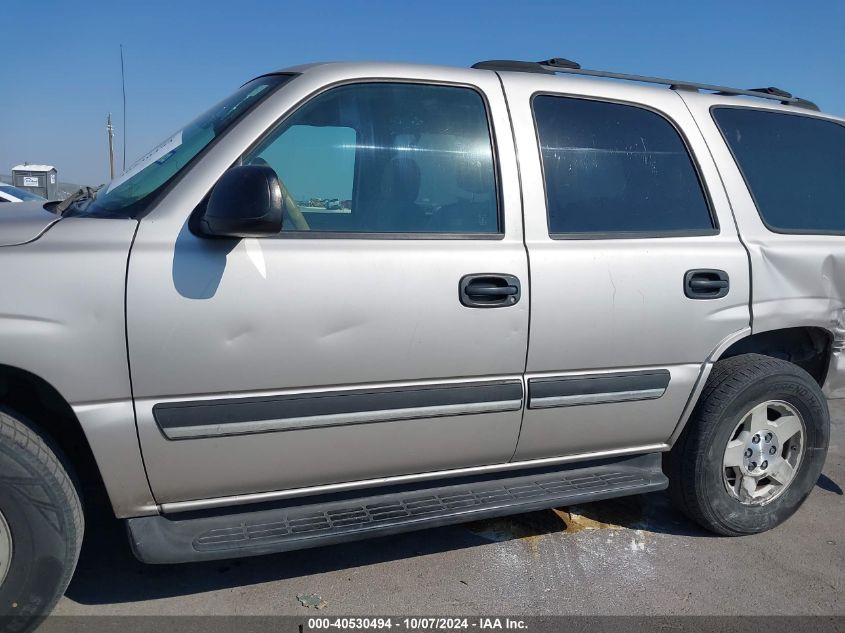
x,y
37,400
807,347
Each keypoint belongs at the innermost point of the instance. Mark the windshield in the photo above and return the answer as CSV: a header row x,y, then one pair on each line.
x,y
22,194
124,195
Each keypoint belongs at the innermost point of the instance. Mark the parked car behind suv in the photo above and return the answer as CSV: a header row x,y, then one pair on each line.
x,y
8,193
355,299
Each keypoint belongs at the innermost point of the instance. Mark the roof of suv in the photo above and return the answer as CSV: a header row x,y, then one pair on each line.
x,y
770,96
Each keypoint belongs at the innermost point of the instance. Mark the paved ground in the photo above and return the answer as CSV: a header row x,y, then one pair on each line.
x,y
634,556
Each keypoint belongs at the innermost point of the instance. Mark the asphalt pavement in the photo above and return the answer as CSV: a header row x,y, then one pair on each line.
x,y
628,556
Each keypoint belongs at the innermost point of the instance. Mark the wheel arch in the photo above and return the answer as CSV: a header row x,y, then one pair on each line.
x,y
28,395
808,347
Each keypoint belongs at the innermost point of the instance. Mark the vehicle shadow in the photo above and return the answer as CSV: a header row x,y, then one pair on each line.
x,y
106,553
199,264
108,573
826,483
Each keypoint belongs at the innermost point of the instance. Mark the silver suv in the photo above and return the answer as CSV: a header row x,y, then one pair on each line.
x,y
355,299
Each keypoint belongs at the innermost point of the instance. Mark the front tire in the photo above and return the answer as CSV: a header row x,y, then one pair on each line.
x,y
753,448
41,525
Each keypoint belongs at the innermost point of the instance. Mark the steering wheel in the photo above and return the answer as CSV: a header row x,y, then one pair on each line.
x,y
293,210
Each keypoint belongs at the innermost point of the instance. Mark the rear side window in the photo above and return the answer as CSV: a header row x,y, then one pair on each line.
x,y
793,165
611,168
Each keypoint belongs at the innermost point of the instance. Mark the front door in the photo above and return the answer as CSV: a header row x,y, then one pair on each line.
x,y
342,350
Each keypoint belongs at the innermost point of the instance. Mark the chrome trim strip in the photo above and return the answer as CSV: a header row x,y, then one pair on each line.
x,y
340,419
219,417
595,398
258,497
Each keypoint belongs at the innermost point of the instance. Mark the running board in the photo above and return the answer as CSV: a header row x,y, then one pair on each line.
x,y
329,519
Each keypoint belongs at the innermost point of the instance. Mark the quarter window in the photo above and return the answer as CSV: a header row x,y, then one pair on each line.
x,y
387,158
616,169
794,166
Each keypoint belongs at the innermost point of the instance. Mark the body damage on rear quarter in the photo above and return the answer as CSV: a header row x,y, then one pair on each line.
x,y
797,279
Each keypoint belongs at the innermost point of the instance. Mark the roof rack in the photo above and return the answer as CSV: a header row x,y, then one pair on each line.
x,y
561,65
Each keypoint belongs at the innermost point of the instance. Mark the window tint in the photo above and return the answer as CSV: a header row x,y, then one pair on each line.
x,y
612,168
386,158
794,166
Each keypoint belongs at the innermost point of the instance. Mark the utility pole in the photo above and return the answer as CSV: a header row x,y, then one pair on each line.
x,y
123,88
111,147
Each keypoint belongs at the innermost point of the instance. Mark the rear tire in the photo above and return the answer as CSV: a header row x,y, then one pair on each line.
x,y
720,471
41,525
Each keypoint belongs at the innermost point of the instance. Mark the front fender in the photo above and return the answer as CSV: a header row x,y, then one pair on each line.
x,y
62,318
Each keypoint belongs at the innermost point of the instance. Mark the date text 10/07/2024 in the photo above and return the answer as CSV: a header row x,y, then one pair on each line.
x,y
416,624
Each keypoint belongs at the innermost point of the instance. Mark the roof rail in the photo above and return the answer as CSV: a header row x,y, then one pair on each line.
x,y
561,65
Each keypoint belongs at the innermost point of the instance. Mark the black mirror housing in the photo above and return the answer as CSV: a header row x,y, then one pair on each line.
x,y
245,202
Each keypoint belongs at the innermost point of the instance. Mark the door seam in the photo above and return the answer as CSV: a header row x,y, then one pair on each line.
x,y
527,265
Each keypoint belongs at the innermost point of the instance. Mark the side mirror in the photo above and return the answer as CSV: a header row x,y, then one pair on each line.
x,y
245,202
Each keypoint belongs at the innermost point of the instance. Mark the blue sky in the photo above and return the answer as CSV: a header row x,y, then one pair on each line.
x,y
60,69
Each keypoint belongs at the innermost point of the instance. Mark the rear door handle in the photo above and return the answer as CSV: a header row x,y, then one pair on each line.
x,y
489,290
706,283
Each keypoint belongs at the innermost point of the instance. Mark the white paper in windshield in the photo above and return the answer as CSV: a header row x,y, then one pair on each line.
x,y
158,154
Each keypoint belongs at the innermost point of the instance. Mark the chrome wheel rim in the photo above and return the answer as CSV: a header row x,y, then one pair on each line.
x,y
763,453
5,548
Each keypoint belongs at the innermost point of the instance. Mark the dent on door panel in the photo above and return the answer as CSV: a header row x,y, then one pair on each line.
x,y
292,333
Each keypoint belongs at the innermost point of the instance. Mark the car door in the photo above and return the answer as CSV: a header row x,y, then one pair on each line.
x,y
637,272
353,346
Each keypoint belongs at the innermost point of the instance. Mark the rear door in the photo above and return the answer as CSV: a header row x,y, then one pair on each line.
x,y
344,349
637,272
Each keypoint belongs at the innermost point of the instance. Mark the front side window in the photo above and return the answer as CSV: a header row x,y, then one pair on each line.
x,y
386,158
616,169
794,166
